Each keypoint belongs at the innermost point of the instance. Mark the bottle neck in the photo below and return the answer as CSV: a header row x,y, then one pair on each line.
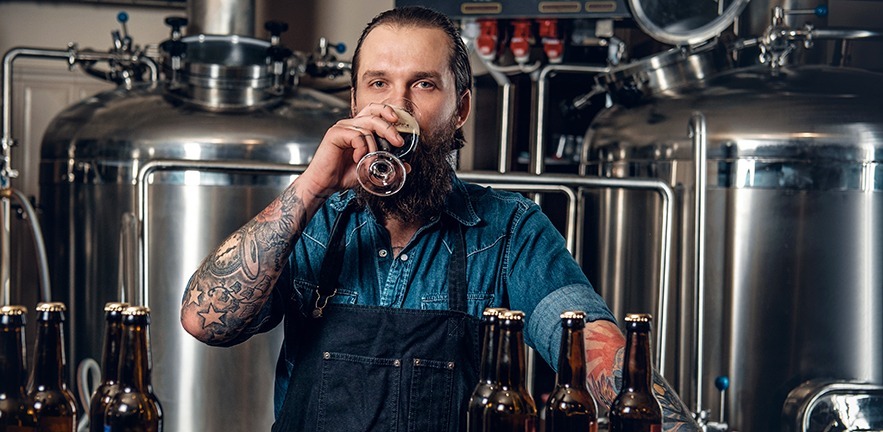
x,y
638,374
49,361
110,353
135,362
571,358
12,359
510,364
488,371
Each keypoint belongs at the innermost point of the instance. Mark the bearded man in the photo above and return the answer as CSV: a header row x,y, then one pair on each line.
x,y
380,295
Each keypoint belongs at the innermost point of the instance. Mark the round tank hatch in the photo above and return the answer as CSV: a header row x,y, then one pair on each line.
x,y
685,22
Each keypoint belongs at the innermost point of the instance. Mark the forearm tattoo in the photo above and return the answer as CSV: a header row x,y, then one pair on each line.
x,y
605,354
232,284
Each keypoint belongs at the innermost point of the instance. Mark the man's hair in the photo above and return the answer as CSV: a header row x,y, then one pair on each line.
x,y
418,16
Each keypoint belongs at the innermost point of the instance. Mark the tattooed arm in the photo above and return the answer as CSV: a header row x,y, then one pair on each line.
x,y
234,282
605,352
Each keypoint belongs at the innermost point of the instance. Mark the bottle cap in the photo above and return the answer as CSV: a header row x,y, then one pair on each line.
x,y
638,318
51,307
13,315
137,311
512,315
494,311
14,310
573,315
115,306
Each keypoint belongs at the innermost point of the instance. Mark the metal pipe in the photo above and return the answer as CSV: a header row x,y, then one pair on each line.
x,y
538,165
6,143
507,114
504,159
6,139
142,200
700,141
513,181
586,183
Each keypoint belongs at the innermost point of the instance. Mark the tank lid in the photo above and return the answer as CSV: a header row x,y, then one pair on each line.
x,y
685,22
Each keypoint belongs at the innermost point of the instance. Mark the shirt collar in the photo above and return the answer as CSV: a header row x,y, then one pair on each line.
x,y
458,207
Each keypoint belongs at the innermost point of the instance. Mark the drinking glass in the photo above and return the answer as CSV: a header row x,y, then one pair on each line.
x,y
382,172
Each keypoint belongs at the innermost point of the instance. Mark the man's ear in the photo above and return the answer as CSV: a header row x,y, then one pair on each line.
x,y
464,105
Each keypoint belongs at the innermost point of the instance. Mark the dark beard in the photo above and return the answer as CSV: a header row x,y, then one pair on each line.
x,y
427,185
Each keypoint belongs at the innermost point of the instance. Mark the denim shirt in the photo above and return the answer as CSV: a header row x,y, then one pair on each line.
x,y
515,258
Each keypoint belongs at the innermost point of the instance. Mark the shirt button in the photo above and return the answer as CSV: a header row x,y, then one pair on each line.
x,y
382,253
404,257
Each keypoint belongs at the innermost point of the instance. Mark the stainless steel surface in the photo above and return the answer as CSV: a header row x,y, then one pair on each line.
x,y
663,73
793,259
227,73
685,22
830,406
92,155
221,17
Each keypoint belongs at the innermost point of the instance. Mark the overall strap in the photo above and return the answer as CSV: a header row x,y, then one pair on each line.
x,y
333,262
457,287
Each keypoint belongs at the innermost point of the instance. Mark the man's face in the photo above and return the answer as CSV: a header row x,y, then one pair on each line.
x,y
412,63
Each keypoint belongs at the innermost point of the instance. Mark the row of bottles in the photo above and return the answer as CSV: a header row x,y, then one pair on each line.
x,y
46,404
501,403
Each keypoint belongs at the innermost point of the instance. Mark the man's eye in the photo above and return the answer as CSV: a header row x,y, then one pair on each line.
x,y
425,85
378,84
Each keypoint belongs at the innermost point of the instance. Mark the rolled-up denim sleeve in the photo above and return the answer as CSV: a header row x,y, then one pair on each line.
x,y
545,324
544,280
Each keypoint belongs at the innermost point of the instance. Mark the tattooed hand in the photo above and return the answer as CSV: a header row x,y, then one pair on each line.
x,y
605,351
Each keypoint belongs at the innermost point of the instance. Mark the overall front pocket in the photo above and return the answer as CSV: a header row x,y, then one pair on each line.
x,y
358,393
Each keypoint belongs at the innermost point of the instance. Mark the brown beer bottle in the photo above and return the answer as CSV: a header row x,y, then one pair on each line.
x,y
14,415
635,408
49,398
110,358
571,407
134,407
510,407
487,374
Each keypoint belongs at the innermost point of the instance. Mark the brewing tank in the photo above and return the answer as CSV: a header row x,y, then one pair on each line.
x,y
793,256
140,183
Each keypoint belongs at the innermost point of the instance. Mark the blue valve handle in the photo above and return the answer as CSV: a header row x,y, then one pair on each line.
x,y
722,382
123,17
340,48
821,10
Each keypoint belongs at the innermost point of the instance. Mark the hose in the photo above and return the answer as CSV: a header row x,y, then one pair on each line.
x,y
88,380
42,261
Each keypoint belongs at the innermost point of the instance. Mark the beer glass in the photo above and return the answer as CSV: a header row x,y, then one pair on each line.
x,y
382,172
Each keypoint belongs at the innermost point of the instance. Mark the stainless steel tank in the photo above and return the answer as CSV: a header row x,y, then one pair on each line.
x,y
793,258
191,146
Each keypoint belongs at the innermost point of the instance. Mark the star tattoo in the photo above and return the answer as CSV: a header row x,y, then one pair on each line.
x,y
212,316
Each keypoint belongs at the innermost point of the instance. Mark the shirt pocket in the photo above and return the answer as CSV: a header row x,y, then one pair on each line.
x,y
476,303
307,292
